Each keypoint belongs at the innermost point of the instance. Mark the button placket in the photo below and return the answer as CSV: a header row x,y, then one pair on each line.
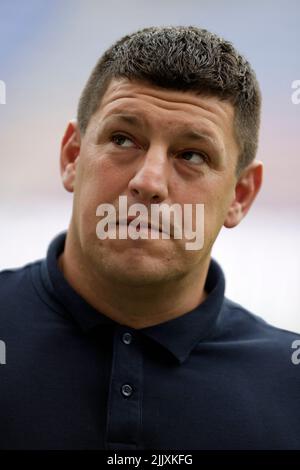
x,y
125,391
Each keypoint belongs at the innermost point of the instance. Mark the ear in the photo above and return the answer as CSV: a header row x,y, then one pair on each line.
x,y
246,189
69,153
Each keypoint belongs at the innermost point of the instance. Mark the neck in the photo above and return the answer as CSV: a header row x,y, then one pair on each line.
x,y
134,306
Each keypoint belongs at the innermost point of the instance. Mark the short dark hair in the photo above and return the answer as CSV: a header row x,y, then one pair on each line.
x,y
182,58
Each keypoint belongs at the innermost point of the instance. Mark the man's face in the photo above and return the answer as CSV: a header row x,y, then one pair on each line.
x,y
154,146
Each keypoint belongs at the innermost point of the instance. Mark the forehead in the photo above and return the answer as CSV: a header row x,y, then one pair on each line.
x,y
121,90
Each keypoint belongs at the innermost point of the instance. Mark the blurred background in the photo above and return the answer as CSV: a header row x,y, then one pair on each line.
x,y
47,50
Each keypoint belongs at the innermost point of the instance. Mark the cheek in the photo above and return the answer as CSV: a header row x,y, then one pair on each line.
x,y
98,181
216,204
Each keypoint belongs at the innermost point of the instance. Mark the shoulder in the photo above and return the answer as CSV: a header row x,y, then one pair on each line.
x,y
12,278
252,333
17,289
252,323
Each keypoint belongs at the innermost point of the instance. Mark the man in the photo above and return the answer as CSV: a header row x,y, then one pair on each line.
x,y
129,343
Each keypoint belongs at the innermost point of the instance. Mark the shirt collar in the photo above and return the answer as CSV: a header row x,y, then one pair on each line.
x,y
179,336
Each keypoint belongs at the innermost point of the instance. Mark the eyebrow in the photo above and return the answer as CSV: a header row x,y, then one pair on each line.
x,y
126,118
192,134
185,132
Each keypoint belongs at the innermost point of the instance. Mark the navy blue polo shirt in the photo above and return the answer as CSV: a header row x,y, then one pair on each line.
x,y
218,377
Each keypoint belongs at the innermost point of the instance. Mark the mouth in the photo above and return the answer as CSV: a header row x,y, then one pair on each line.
x,y
141,225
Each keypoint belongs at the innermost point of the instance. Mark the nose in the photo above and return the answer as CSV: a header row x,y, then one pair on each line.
x,y
150,182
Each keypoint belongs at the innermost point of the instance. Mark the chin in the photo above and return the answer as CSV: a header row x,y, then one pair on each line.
x,y
137,265
144,278
145,271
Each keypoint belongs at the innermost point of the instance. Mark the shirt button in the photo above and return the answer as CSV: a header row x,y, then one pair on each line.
x,y
126,390
127,338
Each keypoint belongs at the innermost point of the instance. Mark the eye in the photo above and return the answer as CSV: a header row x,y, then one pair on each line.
x,y
122,140
194,157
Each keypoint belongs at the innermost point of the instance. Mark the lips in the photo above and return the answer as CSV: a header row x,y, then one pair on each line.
x,y
142,224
